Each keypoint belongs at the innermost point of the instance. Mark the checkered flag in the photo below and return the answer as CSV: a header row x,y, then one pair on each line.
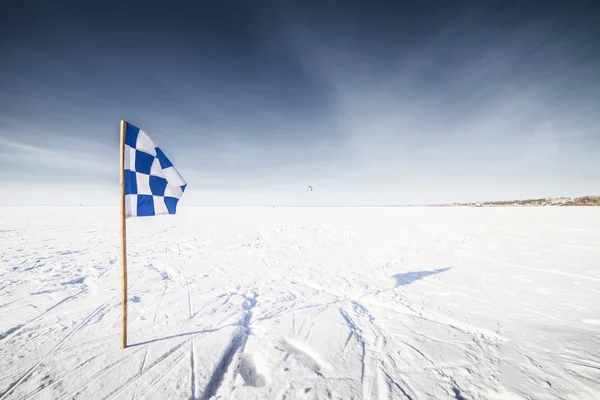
x,y
152,184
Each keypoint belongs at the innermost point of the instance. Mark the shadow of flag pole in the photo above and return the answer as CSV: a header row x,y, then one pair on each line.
x,y
123,242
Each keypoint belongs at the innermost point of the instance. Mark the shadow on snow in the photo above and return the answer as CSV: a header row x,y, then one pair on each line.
x,y
409,277
180,335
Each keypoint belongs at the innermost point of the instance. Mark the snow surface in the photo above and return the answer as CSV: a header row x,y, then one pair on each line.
x,y
286,303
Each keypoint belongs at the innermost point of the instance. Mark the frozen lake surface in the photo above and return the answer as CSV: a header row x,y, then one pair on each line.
x,y
287,303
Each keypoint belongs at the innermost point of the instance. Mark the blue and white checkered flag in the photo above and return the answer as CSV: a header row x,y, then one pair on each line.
x,y
152,184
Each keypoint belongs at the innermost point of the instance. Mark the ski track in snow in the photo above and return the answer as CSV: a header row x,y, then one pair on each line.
x,y
286,303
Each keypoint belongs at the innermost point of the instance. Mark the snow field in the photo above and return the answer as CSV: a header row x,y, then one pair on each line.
x,y
286,303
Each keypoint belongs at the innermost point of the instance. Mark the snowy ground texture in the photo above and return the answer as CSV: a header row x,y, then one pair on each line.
x,y
289,303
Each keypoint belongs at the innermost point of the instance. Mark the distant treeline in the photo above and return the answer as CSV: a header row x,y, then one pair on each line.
x,y
577,201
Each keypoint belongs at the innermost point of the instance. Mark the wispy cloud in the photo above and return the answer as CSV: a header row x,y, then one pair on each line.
x,y
51,154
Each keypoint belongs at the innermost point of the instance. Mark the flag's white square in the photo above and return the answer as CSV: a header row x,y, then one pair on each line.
x,y
144,143
129,158
156,169
131,205
159,205
173,191
173,177
143,183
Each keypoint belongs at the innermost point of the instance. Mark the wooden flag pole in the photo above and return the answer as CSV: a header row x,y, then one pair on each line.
x,y
123,242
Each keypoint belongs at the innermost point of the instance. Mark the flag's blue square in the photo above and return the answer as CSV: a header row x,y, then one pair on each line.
x,y
158,185
143,162
145,205
130,182
171,203
162,158
131,135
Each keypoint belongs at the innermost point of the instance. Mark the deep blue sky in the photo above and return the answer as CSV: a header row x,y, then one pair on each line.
x,y
368,102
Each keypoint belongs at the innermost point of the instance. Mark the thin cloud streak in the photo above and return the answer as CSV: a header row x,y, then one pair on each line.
x,y
41,161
